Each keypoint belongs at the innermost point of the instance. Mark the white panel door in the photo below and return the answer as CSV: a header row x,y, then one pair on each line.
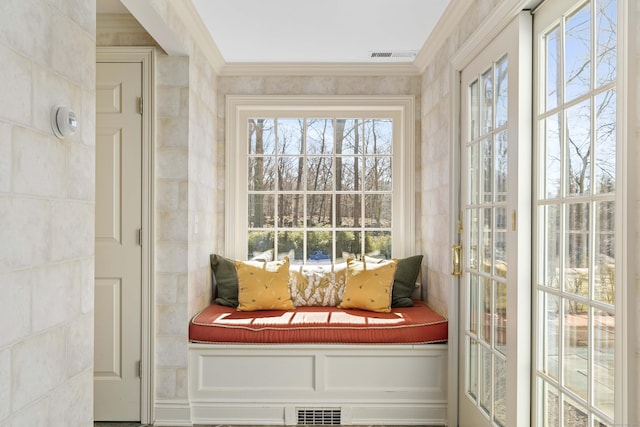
x,y
118,269
495,148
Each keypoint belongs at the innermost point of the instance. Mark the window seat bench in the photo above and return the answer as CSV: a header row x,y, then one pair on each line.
x,y
313,364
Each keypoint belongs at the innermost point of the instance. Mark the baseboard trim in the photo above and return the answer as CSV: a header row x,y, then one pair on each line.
x,y
172,413
209,413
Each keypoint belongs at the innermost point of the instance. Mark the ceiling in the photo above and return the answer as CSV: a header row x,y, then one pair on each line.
x,y
327,31
324,31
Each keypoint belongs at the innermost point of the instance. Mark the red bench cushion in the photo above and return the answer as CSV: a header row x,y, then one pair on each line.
x,y
304,325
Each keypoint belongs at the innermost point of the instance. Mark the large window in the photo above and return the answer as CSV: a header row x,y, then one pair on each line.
x,y
320,180
576,263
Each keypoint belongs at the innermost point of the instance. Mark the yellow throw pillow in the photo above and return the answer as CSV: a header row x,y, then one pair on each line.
x,y
264,287
369,286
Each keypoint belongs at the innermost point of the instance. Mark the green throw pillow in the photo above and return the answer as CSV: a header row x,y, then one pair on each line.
x,y
404,281
225,280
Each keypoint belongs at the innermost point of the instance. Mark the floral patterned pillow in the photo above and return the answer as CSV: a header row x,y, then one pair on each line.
x,y
317,286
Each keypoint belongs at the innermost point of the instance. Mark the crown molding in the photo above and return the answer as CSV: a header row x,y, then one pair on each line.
x,y
202,38
495,22
452,15
318,69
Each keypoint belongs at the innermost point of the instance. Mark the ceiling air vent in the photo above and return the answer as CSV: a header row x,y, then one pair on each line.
x,y
392,54
319,416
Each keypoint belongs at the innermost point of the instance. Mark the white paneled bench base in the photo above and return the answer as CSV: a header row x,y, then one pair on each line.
x,y
321,384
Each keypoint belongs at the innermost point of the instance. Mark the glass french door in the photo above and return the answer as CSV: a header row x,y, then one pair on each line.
x,y
495,281
575,54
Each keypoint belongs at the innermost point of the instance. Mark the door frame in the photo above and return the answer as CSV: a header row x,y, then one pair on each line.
x,y
495,23
146,57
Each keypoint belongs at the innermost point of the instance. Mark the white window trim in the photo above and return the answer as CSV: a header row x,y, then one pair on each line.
x,y
240,108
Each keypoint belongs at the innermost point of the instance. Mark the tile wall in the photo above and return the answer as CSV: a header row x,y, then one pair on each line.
x,y
47,58
437,128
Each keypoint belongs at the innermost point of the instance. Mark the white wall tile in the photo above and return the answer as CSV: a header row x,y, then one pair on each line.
x,y
5,383
87,285
168,101
173,132
39,163
172,164
38,367
25,26
15,84
80,181
171,320
87,118
71,405
172,71
80,344
15,307
171,351
172,226
56,294
171,257
72,50
184,98
81,11
130,33
166,289
129,38
167,195
204,174
72,229
26,228
182,382
165,383
183,288
6,157
249,85
36,415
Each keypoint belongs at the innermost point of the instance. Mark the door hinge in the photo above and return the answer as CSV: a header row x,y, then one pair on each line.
x,y
140,104
139,368
514,221
139,236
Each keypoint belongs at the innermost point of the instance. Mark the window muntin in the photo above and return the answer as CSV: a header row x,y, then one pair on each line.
x,y
576,262
486,216
319,179
320,189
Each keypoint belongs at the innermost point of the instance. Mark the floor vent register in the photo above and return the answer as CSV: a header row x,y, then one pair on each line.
x,y
319,416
